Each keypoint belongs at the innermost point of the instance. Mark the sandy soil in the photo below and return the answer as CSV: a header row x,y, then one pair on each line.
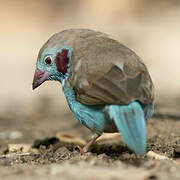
x,y
52,158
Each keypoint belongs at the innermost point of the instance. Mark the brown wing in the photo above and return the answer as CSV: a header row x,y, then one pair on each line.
x,y
115,87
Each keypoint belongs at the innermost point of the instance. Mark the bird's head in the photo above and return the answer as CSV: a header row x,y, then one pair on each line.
x,y
52,64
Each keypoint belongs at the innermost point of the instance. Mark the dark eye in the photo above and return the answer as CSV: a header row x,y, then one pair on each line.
x,y
48,60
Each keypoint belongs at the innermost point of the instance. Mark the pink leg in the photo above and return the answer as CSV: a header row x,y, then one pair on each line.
x,y
87,147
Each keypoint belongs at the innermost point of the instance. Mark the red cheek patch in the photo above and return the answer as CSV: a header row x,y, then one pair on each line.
x,y
62,61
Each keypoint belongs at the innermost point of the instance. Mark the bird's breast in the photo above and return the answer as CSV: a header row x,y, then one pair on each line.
x,y
93,117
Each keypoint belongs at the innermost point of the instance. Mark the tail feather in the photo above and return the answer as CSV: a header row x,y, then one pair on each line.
x,y
130,122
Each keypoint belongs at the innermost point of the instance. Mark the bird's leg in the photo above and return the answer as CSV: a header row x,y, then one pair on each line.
x,y
87,147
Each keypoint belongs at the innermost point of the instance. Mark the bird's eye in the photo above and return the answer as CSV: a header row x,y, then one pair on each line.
x,y
48,60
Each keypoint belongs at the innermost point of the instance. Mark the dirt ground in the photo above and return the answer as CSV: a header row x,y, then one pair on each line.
x,y
43,154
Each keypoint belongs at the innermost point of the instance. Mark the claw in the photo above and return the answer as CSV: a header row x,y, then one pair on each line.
x,y
80,150
87,147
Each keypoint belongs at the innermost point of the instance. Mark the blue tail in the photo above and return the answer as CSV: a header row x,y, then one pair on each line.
x,y
130,122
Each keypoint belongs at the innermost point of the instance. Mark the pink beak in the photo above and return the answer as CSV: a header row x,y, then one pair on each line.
x,y
39,78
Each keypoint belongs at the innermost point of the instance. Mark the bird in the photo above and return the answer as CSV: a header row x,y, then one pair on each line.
x,y
107,86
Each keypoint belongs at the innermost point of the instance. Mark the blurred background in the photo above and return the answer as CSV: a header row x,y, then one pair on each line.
x,y
150,28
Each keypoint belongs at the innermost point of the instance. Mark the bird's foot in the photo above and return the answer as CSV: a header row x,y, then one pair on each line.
x,y
80,150
88,146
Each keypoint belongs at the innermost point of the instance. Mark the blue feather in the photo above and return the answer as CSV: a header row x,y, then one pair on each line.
x,y
130,122
92,117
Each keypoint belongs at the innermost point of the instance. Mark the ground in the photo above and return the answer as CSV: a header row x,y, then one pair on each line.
x,y
51,157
